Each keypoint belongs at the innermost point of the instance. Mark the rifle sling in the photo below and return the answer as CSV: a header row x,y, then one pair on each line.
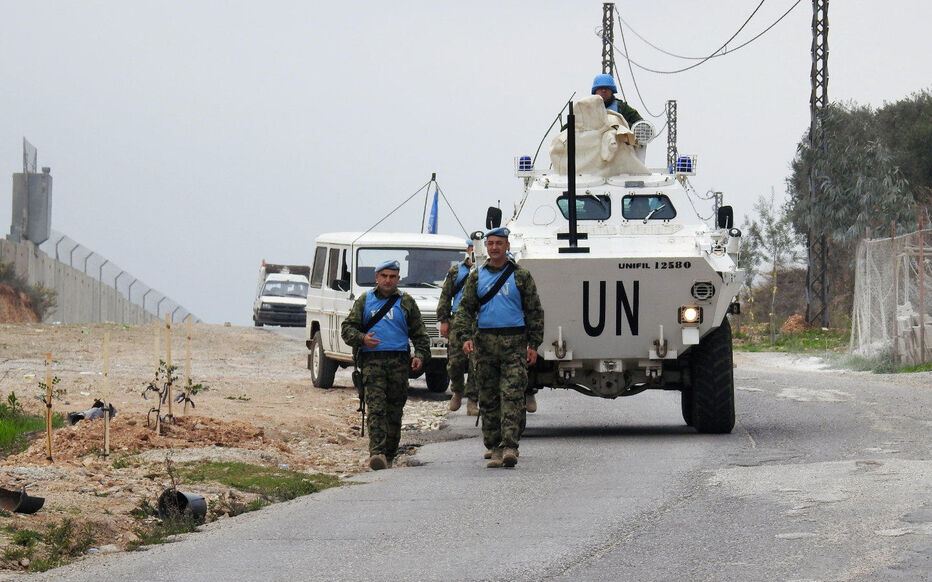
x,y
380,314
502,279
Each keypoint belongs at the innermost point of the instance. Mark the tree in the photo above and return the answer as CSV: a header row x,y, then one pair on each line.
x,y
861,184
772,240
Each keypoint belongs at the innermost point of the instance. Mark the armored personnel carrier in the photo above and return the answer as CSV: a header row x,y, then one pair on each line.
x,y
635,287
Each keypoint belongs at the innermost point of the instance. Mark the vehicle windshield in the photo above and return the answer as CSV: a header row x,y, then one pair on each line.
x,y
419,267
285,289
588,207
650,207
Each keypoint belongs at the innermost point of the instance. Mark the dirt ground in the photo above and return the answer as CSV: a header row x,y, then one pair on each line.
x,y
260,407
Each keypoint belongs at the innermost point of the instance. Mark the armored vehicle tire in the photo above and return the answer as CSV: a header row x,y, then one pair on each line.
x,y
712,395
323,369
257,323
436,376
686,405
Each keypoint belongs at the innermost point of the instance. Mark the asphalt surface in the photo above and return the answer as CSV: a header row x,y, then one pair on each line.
x,y
827,476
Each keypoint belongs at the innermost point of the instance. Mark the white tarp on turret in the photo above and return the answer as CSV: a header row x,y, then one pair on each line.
x,y
604,144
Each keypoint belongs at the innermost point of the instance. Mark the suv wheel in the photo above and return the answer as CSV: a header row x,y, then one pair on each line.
x,y
323,369
436,376
712,394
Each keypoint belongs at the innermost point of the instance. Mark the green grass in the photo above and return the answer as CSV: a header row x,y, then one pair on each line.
x,y
807,341
272,484
157,533
927,367
14,428
833,342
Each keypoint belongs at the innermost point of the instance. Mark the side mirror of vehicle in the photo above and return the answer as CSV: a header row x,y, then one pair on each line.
x,y
340,285
493,218
726,217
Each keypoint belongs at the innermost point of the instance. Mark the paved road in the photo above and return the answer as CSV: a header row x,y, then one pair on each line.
x,y
826,477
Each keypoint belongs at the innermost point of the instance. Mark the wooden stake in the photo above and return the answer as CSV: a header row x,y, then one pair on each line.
x,y
48,407
187,364
158,343
168,360
157,325
106,394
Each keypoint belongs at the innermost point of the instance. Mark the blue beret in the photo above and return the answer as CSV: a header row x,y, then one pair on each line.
x,y
501,231
391,264
469,242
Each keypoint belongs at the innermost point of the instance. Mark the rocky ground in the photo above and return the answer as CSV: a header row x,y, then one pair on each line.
x,y
260,408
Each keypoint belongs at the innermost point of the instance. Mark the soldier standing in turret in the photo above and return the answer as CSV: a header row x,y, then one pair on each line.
x,y
501,299
458,363
384,357
604,86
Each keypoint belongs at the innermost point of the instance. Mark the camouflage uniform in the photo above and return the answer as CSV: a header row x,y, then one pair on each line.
x,y
385,374
501,362
458,363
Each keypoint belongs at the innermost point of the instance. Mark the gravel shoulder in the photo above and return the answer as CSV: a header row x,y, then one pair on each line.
x,y
260,407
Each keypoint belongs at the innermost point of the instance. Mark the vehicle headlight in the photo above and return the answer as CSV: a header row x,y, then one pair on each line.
x,y
265,306
690,315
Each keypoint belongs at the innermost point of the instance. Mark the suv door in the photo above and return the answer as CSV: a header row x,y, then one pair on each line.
x,y
335,301
315,315
343,298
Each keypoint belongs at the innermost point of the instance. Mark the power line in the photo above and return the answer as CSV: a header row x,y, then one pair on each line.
x,y
631,70
666,52
717,53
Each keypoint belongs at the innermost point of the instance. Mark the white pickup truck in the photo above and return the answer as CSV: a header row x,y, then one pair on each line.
x,y
344,268
280,295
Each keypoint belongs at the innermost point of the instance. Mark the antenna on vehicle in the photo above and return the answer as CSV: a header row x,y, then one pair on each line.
x,y
572,235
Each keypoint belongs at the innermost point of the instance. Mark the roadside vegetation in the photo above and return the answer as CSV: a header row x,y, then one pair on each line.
x,y
15,425
42,299
252,487
59,544
831,344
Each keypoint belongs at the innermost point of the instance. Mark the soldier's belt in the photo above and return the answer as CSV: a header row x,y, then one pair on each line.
x,y
383,355
520,330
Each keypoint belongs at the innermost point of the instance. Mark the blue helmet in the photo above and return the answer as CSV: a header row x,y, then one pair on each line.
x,y
604,80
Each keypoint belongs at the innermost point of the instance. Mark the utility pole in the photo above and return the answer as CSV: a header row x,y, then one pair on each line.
x,y
671,135
608,38
816,276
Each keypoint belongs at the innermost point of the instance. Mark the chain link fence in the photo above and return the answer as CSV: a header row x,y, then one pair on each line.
x,y
89,286
893,298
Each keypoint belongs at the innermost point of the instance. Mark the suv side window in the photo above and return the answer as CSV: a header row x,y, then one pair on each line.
x,y
332,267
317,274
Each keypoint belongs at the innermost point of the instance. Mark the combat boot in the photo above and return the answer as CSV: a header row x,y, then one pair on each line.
x,y
530,402
488,454
455,402
496,459
510,457
378,462
472,409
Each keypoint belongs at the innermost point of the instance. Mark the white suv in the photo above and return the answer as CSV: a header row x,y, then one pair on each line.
x,y
344,268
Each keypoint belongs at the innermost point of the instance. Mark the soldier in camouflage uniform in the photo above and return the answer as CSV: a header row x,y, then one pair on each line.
x,y
458,363
510,327
385,358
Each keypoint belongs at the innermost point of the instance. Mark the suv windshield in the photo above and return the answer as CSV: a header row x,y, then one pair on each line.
x,y
285,289
419,267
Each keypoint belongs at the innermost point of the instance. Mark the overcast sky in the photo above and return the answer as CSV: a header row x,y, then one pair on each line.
x,y
190,140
